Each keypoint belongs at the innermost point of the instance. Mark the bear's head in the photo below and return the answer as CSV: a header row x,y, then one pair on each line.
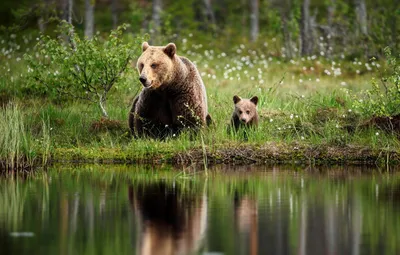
x,y
245,109
156,65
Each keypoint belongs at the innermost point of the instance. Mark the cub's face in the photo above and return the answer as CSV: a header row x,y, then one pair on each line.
x,y
245,109
155,65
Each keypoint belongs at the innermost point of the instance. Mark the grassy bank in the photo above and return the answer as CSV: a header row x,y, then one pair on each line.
x,y
306,108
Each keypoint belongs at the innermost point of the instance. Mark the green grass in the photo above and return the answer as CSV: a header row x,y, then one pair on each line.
x,y
18,147
304,103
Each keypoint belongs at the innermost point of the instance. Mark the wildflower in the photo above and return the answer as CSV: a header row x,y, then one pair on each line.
x,y
317,80
343,83
271,120
291,116
302,137
377,133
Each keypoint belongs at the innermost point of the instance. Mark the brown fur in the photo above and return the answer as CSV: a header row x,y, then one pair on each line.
x,y
245,113
173,97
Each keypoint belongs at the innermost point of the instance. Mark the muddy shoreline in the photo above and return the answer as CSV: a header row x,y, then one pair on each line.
x,y
243,154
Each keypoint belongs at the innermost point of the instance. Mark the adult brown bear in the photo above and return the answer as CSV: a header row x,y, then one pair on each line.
x,y
173,96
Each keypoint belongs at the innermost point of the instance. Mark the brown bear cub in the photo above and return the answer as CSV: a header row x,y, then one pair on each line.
x,y
245,113
173,96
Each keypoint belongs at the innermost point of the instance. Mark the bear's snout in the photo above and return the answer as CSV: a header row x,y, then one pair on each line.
x,y
143,80
244,120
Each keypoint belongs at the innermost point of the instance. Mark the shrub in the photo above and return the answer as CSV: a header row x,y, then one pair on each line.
x,y
83,68
384,97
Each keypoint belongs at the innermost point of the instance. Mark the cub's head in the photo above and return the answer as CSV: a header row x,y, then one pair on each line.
x,y
245,109
155,65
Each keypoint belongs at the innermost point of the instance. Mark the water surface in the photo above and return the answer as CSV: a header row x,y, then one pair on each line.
x,y
239,210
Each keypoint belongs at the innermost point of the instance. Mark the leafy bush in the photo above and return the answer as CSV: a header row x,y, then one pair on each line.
x,y
384,98
83,68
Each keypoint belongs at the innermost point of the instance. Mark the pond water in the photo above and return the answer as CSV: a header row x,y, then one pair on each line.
x,y
232,210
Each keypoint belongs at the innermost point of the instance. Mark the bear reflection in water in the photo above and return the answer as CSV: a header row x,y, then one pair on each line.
x,y
170,221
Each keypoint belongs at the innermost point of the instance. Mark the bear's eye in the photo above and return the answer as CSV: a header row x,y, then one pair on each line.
x,y
240,112
153,66
248,112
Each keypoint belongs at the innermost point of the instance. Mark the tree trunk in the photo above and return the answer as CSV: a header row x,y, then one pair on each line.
x,y
89,18
114,13
209,12
64,9
102,103
41,25
287,36
69,13
156,18
361,14
330,32
394,24
305,29
254,28
42,15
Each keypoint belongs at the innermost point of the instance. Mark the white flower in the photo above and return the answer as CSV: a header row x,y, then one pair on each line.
x,y
377,133
271,120
302,137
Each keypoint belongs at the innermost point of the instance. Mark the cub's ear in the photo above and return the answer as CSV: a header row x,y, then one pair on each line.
x,y
145,45
236,99
170,49
254,100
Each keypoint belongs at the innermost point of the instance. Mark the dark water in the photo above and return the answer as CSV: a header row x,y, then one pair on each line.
x,y
240,210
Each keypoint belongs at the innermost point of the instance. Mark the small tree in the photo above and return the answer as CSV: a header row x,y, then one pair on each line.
x,y
85,69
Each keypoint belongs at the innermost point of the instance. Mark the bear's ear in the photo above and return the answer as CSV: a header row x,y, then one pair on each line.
x,y
170,49
145,45
254,100
236,99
